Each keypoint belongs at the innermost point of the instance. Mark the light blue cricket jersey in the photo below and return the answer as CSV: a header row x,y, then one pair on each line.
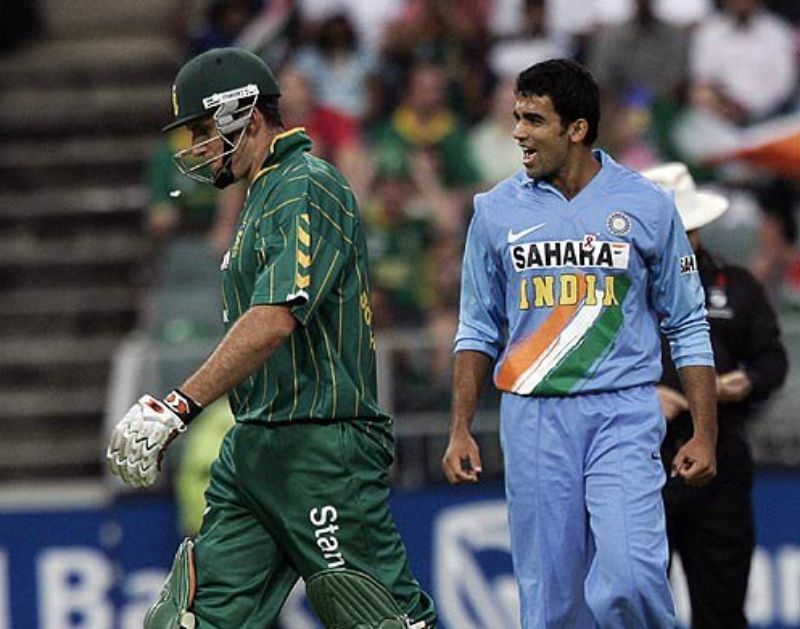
x,y
568,296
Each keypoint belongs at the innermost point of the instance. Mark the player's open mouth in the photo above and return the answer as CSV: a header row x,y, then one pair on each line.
x,y
528,155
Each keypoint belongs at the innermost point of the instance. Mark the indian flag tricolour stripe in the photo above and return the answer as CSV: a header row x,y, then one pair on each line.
x,y
564,348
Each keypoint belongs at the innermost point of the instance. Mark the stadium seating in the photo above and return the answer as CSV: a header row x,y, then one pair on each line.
x,y
79,113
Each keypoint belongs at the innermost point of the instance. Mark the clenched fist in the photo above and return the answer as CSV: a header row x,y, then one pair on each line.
x,y
140,439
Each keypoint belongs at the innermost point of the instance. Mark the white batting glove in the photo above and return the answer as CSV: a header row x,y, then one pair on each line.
x,y
140,439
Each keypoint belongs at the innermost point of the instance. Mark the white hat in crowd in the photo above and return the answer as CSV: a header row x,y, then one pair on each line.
x,y
697,208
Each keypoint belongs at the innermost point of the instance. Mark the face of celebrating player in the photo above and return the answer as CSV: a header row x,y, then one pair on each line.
x,y
544,140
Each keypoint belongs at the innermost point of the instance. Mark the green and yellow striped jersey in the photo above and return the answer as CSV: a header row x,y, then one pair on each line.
x,y
299,242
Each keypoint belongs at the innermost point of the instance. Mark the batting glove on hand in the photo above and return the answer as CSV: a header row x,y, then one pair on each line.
x,y
140,439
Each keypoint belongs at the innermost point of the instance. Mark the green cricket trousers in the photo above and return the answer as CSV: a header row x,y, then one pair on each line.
x,y
289,501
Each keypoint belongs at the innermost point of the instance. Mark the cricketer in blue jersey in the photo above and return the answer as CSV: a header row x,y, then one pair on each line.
x,y
570,269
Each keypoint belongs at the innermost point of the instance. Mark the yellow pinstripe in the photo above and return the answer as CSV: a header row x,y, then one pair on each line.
x,y
322,209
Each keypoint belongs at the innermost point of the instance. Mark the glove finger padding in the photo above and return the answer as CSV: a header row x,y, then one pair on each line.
x,y
118,440
113,447
139,440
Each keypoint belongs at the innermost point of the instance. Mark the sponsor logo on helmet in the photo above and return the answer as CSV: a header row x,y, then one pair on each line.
x,y
215,100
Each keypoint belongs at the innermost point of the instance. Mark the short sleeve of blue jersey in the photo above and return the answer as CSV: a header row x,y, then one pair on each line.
x,y
482,322
677,294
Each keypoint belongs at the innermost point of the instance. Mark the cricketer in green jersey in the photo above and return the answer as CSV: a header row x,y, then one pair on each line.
x,y
300,488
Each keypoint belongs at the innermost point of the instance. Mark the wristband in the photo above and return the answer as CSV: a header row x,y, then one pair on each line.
x,y
182,405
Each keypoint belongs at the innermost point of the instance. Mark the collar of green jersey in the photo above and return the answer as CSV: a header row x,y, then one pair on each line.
x,y
283,145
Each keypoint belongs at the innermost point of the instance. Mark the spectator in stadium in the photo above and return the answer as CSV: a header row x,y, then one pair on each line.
x,y
742,63
336,136
711,528
224,21
647,57
494,152
338,68
743,71
335,132
413,233
573,335
632,140
406,217
274,32
438,24
529,42
398,237
424,121
452,33
300,488
369,19
776,262
644,53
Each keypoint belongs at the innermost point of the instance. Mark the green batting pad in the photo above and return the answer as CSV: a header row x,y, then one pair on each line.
x,y
171,610
346,599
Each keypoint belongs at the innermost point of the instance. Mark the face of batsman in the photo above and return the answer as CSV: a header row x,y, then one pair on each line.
x,y
216,144
215,96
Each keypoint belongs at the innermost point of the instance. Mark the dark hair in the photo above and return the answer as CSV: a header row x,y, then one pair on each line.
x,y
337,31
268,106
570,87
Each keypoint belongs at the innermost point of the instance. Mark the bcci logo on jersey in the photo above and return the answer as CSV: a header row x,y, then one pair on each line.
x,y
551,254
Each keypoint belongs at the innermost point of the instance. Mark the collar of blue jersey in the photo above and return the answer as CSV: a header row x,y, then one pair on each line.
x,y
603,157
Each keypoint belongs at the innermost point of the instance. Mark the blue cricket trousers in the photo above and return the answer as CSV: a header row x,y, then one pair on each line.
x,y
583,480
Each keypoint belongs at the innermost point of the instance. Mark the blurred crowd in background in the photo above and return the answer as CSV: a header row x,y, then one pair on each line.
x,y
412,100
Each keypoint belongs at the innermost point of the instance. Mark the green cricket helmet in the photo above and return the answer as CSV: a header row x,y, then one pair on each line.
x,y
223,83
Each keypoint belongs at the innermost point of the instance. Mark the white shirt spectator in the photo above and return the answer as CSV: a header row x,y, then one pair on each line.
x,y
339,83
564,19
505,17
495,153
685,12
369,17
510,57
753,65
